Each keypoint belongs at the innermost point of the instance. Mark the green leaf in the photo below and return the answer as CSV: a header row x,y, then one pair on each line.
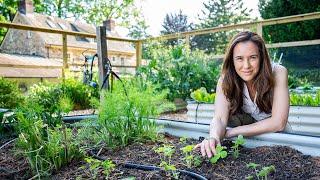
x,y
253,165
223,154
214,159
250,177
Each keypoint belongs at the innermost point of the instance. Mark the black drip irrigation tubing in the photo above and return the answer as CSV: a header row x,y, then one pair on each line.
x,y
152,168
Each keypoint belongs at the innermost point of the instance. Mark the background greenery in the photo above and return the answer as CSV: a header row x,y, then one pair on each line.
x,y
180,71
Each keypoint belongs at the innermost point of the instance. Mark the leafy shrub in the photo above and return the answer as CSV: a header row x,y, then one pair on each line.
x,y
180,71
49,95
302,76
294,82
52,102
79,93
125,119
10,95
201,95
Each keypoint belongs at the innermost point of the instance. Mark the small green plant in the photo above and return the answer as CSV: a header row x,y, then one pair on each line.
x,y
166,152
201,95
305,99
189,158
183,140
235,147
221,153
263,173
95,165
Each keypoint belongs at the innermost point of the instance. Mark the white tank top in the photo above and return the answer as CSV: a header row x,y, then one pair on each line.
x,y
252,108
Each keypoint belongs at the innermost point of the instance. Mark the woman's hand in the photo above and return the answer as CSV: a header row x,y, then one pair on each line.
x,y
208,146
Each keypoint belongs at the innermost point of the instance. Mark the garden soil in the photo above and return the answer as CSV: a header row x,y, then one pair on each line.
x,y
289,163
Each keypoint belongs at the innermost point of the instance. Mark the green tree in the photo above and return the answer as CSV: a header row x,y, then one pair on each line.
x,y
139,29
8,9
298,31
98,11
61,8
174,23
125,12
219,13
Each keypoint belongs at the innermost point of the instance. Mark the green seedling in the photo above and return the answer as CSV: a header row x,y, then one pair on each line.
x,y
108,167
183,140
189,158
235,148
263,173
166,152
94,165
221,153
170,169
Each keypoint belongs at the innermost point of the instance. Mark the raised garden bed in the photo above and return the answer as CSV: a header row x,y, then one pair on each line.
x,y
289,163
302,119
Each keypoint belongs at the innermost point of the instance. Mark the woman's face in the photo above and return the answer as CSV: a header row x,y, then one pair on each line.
x,y
246,60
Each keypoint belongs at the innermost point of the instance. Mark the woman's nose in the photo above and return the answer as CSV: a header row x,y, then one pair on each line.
x,y
246,63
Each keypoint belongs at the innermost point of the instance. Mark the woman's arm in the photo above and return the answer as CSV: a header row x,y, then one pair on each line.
x,y
222,107
217,125
280,110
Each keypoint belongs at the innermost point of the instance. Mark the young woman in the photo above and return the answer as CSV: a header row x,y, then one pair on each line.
x,y
252,94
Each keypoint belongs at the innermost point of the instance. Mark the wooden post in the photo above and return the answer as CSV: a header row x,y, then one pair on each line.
x,y
64,55
102,54
188,41
138,53
259,29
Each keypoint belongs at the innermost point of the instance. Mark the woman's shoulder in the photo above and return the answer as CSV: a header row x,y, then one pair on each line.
x,y
280,73
279,70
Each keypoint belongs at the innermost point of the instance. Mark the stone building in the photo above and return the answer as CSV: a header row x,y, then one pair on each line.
x,y
45,49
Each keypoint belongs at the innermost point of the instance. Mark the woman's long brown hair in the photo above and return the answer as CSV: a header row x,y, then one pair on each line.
x,y
263,83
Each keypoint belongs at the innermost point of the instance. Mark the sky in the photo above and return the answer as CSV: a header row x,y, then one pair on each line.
x,y
154,11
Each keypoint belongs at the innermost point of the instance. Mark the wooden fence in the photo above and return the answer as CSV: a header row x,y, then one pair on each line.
x,y
258,25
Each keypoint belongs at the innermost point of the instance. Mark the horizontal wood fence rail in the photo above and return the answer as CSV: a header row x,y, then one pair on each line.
x,y
273,21
294,43
31,66
57,31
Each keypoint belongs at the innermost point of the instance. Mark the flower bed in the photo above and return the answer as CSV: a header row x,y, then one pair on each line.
x,y
288,163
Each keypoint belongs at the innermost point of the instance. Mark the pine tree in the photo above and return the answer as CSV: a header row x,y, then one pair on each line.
x,y
174,23
299,31
218,13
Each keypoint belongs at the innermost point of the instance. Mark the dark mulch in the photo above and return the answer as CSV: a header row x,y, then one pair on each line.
x,y
12,165
289,163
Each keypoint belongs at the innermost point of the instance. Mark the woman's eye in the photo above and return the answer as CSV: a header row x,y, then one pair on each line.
x,y
254,57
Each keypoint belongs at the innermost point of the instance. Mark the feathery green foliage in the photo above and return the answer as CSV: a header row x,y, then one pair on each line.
x,y
123,119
